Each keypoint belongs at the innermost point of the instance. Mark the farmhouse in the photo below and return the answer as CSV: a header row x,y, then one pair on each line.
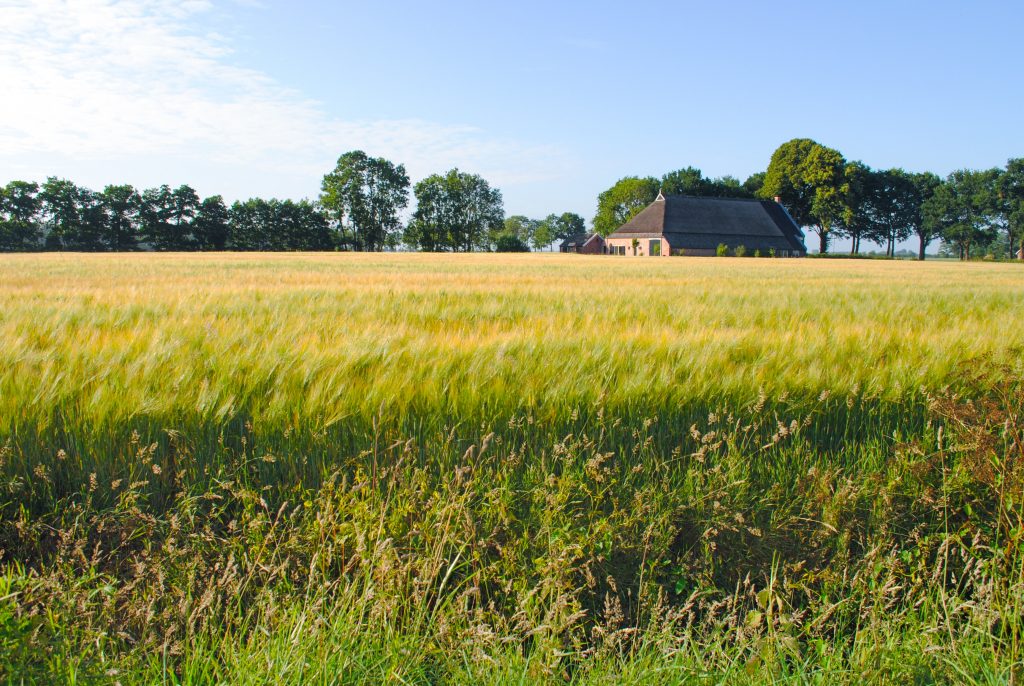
x,y
685,225
589,244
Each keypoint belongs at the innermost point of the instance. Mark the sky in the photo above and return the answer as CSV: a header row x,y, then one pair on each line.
x,y
551,102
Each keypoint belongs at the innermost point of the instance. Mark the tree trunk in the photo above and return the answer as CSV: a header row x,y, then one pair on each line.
x,y
920,253
823,241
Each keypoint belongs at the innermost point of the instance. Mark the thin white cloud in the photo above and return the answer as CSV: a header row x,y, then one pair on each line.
x,y
124,79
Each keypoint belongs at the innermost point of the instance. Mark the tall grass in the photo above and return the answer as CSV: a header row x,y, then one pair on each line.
x,y
333,469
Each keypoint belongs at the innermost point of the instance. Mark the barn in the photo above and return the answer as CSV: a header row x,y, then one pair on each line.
x,y
585,243
687,225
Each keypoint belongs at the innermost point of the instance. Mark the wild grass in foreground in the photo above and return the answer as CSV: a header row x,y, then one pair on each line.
x,y
224,470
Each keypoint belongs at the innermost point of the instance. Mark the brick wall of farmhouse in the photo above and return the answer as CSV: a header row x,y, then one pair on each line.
x,y
642,250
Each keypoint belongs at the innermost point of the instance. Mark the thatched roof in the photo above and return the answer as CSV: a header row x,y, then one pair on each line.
x,y
702,223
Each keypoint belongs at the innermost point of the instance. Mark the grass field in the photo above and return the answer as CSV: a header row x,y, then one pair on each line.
x,y
479,468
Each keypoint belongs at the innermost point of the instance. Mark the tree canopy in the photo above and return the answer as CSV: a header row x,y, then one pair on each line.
x,y
810,181
455,212
364,196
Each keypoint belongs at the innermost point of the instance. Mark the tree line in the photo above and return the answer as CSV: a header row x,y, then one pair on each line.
x,y
973,212
360,208
363,201
60,215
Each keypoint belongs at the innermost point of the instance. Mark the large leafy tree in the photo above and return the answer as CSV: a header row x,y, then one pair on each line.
x,y
455,212
896,204
120,205
62,210
543,235
184,208
857,220
1011,196
925,184
963,210
211,224
753,184
568,224
686,181
167,217
786,180
19,216
155,209
558,227
810,180
522,228
623,201
825,172
365,196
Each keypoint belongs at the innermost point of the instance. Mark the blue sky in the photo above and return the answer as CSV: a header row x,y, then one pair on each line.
x,y
550,101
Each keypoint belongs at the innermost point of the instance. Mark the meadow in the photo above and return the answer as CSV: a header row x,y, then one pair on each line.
x,y
412,468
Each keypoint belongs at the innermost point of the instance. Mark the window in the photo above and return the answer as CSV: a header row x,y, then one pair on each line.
x,y
654,250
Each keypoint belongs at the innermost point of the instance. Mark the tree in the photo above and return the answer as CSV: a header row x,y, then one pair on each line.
x,y
753,184
120,205
623,201
544,233
558,227
455,212
62,212
925,184
275,225
92,226
964,208
687,181
302,225
510,243
154,217
364,196
248,222
785,179
895,205
520,227
858,217
824,171
691,181
19,216
568,224
809,178
184,208
1011,196
728,187
212,224
168,216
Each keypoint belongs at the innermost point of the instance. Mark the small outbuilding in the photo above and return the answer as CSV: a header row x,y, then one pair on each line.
x,y
584,243
687,225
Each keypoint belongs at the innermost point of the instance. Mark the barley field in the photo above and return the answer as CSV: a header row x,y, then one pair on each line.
x,y
411,468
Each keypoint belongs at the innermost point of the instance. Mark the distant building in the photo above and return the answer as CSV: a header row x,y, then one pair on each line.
x,y
585,243
685,225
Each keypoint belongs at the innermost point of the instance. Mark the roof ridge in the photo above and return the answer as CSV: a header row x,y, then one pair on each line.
x,y
714,197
